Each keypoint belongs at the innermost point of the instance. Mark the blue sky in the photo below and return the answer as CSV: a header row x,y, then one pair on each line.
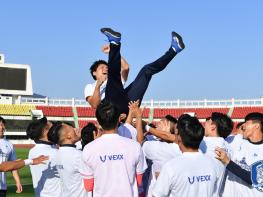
x,y
60,39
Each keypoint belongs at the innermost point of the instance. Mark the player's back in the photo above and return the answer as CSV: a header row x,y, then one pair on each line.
x,y
113,161
46,180
68,162
192,174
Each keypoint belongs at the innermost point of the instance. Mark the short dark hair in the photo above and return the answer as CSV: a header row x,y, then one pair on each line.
x,y
171,118
95,65
107,115
87,134
2,120
223,122
255,117
35,128
190,130
54,132
239,125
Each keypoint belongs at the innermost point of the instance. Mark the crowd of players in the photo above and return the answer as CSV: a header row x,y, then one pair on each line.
x,y
131,158
121,155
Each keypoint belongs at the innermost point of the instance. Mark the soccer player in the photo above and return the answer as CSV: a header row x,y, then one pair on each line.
x,y
108,83
68,159
46,180
245,154
193,173
161,151
111,163
7,154
217,128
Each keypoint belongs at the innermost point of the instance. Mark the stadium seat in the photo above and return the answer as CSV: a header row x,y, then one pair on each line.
x,y
241,112
56,111
16,110
176,112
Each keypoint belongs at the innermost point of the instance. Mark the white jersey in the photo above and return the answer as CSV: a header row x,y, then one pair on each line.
x,y
113,161
68,163
244,155
78,145
208,146
90,88
234,141
192,174
7,153
159,152
128,131
46,180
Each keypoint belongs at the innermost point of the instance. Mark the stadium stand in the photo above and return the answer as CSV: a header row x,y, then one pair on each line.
x,y
16,110
241,112
57,111
199,112
78,112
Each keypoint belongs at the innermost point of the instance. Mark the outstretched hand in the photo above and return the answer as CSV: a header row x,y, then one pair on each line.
x,y
40,160
222,155
106,48
135,109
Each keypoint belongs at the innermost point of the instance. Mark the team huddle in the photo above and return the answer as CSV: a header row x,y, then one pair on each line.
x,y
122,155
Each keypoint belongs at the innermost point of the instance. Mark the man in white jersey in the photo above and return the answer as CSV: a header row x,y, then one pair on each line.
x,y
193,173
217,128
245,154
46,180
95,92
110,85
68,159
111,163
7,153
161,151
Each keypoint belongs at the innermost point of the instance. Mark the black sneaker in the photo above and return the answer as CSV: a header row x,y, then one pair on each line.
x,y
177,42
112,36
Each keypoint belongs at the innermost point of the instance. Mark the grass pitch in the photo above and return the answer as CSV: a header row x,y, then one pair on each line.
x,y
25,177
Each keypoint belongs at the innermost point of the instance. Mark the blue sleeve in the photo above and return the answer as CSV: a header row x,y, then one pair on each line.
x,y
239,172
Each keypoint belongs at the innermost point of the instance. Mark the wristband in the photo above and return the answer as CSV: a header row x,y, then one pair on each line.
x,y
147,128
28,162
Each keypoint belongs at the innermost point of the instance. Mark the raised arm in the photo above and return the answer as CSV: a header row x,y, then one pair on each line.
x,y
162,132
136,112
232,166
95,99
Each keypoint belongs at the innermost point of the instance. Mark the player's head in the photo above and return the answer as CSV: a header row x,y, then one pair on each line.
x,y
87,134
190,130
99,68
239,128
218,124
173,122
63,133
38,129
253,125
2,126
107,115
168,123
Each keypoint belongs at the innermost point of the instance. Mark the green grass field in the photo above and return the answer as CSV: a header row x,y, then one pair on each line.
x,y
25,178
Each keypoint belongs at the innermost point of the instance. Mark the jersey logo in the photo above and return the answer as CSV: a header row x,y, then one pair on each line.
x,y
111,157
199,178
257,175
60,167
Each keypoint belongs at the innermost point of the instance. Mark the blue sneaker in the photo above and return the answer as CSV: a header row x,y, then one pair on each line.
x,y
113,36
177,42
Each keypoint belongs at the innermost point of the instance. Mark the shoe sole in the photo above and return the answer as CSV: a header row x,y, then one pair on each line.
x,y
180,39
111,32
